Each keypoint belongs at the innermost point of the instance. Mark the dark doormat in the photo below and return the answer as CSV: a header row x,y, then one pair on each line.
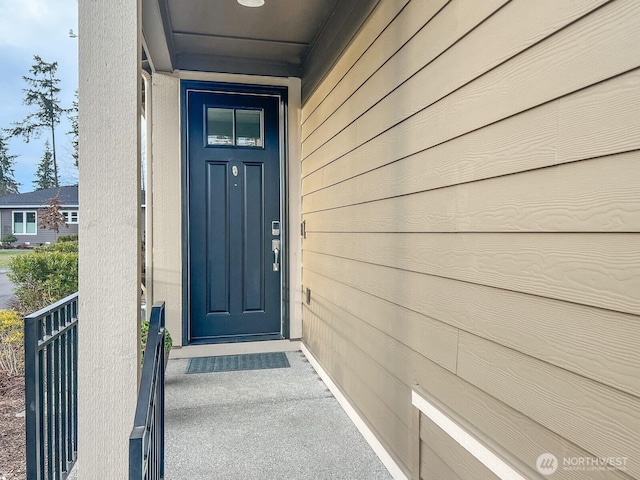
x,y
232,363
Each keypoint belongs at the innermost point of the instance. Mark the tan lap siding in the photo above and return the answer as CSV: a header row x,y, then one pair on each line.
x,y
471,179
537,75
432,466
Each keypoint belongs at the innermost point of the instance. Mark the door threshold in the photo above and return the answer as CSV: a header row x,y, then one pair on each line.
x,y
238,348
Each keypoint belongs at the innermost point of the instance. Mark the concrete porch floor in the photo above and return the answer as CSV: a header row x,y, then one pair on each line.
x,y
261,424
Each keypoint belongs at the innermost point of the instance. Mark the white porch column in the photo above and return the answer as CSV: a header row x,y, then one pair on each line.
x,y
109,155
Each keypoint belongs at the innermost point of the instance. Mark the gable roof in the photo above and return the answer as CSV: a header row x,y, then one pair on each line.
x,y
40,198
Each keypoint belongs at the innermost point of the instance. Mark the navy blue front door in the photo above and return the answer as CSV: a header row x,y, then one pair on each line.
x,y
235,253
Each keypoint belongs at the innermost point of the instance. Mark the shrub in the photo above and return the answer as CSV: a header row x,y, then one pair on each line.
x,y
7,239
72,237
11,342
42,278
144,334
62,247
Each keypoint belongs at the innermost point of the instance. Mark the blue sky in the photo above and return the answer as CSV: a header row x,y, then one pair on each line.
x,y
28,28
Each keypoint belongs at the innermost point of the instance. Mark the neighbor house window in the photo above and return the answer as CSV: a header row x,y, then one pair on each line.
x,y
24,223
70,216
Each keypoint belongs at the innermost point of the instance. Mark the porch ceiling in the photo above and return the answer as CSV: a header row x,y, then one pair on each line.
x,y
297,38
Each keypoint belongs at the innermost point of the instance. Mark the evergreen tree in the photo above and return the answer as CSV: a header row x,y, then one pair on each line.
x,y
45,175
42,92
8,184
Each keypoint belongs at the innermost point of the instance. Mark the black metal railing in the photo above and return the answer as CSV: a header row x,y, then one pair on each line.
x,y
146,442
51,389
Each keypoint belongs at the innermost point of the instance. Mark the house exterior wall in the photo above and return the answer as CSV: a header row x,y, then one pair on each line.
x,y
109,269
42,236
168,192
471,195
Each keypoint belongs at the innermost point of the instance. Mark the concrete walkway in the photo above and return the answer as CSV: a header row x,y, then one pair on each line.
x,y
261,424
6,290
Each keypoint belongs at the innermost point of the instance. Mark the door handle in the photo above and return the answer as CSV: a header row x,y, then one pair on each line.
x,y
275,247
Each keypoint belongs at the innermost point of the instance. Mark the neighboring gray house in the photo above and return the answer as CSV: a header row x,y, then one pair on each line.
x,y
19,214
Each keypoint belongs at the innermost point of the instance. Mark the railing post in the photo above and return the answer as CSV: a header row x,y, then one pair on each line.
x,y
136,459
161,391
146,442
32,396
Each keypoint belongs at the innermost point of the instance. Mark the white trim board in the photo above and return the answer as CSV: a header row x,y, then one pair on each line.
x,y
386,459
233,78
470,443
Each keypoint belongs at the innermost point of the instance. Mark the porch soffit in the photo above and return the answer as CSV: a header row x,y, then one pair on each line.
x,y
286,38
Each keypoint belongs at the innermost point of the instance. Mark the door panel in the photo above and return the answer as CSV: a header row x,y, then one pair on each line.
x,y
217,252
234,194
254,235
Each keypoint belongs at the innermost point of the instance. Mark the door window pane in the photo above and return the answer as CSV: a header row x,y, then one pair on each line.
x,y
249,128
219,126
230,127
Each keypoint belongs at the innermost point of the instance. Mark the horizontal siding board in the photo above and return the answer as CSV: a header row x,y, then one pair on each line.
x,y
522,142
596,195
394,393
433,467
425,212
431,338
587,268
511,430
504,426
312,182
499,38
603,346
500,426
408,22
463,463
611,205
551,69
384,350
601,420
601,120
606,114
334,351
383,14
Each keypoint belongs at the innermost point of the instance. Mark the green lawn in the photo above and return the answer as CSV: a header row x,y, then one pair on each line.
x,y
7,255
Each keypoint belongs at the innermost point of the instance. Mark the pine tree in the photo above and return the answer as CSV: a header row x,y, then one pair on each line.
x,y
42,92
45,175
8,184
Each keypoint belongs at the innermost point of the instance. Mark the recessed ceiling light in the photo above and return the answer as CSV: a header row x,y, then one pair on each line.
x,y
251,3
